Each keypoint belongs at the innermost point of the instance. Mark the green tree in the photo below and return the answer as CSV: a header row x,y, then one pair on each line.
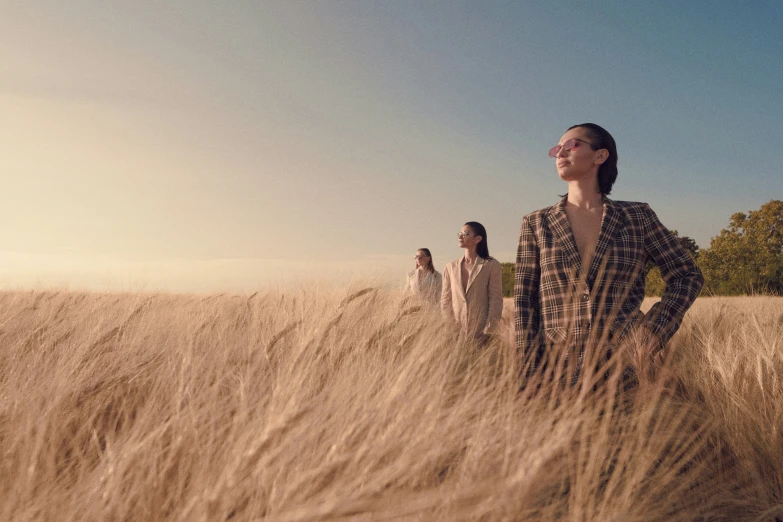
x,y
747,257
508,279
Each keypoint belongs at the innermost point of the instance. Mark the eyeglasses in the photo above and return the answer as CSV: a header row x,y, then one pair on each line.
x,y
417,256
464,234
573,143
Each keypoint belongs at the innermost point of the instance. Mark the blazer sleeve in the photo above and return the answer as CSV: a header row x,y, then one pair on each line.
x,y
526,286
445,294
438,287
679,271
495,294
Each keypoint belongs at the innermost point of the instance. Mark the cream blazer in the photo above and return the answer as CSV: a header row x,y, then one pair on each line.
x,y
478,309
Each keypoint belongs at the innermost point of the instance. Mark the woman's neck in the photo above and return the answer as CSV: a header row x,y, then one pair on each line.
x,y
471,255
585,194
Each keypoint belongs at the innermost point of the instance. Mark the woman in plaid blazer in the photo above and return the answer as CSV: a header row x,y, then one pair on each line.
x,y
579,278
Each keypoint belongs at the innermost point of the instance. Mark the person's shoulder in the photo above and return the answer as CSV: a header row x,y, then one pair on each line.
x,y
491,260
451,265
537,216
630,205
633,209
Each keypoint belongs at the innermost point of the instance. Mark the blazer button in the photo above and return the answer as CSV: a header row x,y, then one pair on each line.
x,y
585,297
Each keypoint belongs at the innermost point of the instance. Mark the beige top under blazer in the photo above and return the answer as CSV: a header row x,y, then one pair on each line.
x,y
477,310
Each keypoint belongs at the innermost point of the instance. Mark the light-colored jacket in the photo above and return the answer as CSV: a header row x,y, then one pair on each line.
x,y
425,284
478,309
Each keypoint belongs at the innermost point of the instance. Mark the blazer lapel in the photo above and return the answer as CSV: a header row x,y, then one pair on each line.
x,y
475,272
612,220
561,230
458,270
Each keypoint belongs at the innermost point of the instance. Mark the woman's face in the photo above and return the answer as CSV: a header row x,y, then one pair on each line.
x,y
422,259
467,238
579,160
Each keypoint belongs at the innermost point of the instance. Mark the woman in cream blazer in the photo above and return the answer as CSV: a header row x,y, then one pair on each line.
x,y
472,292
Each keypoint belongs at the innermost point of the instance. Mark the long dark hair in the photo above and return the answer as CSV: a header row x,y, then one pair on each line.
x,y
426,251
477,228
601,139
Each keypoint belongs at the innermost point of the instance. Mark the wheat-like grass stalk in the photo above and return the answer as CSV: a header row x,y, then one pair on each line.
x,y
362,404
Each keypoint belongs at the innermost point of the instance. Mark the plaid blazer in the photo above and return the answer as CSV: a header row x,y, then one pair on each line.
x,y
558,302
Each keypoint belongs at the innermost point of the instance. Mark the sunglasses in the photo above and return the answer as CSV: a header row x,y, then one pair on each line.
x,y
573,143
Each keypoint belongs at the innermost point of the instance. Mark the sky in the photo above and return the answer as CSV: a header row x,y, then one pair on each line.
x,y
204,146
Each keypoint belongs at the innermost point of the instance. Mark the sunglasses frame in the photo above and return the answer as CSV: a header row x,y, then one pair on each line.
x,y
553,153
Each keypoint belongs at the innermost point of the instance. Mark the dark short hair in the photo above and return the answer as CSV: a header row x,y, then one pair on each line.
x,y
601,139
477,228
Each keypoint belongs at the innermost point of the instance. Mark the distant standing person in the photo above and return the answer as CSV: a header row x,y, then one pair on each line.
x,y
580,263
473,286
424,281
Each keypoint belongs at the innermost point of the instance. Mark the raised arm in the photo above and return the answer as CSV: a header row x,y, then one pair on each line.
x,y
679,271
526,281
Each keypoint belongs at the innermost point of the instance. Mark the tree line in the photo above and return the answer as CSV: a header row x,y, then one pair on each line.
x,y
745,258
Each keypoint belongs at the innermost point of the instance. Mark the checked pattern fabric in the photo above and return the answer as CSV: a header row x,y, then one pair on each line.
x,y
561,305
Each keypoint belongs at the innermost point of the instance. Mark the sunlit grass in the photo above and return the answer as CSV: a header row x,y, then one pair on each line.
x,y
360,404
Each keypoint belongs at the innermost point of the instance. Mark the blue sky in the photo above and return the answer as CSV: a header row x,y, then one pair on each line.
x,y
196,146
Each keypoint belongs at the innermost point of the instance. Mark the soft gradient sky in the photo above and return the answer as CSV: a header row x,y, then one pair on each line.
x,y
188,145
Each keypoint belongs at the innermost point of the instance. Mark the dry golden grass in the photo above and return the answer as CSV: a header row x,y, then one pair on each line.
x,y
360,405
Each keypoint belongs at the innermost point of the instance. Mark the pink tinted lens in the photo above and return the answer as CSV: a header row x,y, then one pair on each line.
x,y
573,143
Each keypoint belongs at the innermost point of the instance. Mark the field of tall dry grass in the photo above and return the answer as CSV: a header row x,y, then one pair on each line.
x,y
362,405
